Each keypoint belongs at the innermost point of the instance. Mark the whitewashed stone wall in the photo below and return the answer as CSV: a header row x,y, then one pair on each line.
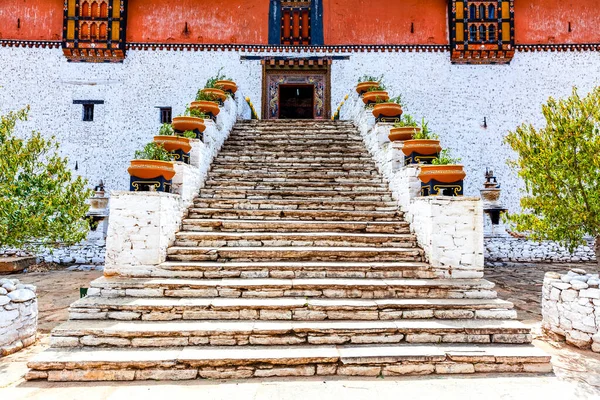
x,y
18,316
500,250
453,98
571,307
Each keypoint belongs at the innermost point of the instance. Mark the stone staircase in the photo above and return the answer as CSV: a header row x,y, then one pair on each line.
x,y
293,261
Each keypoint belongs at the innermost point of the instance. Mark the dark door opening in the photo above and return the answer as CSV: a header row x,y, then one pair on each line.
x,y
296,101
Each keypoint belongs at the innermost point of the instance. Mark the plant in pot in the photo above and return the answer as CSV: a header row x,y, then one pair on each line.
x,y
213,88
152,169
388,110
191,120
223,82
443,176
178,145
367,81
206,103
375,94
404,129
423,148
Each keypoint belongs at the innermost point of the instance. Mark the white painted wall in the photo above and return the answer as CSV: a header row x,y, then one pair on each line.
x,y
454,98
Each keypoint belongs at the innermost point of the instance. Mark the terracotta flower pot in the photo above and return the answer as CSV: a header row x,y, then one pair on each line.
x,y
211,107
425,147
228,86
217,93
387,110
373,97
174,143
151,169
402,134
364,86
442,173
183,124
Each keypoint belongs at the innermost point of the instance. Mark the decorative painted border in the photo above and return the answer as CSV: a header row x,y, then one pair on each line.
x,y
55,44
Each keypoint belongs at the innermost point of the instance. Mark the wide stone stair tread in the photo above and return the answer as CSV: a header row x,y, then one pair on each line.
x,y
350,186
320,239
324,167
281,225
302,203
317,195
353,180
291,309
273,171
112,333
297,253
336,215
181,363
284,284
290,270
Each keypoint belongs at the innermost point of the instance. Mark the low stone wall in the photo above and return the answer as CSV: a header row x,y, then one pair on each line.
x,y
571,308
499,250
18,316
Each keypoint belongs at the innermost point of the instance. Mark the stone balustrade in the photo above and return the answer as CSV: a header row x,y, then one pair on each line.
x,y
449,229
18,316
571,308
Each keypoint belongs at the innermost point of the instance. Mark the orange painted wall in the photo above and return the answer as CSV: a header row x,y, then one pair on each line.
x,y
385,21
209,21
547,21
40,19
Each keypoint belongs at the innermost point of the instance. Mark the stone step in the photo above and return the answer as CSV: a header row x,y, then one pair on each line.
x,y
356,151
280,239
241,362
311,215
317,166
294,253
306,159
298,180
291,270
107,333
229,193
295,204
298,309
246,225
349,186
323,288
278,140
294,172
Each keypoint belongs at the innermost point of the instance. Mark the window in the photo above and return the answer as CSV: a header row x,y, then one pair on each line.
x,y
296,22
481,32
94,30
166,114
88,112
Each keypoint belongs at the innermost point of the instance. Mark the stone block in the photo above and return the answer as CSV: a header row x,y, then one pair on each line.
x,y
301,370
408,369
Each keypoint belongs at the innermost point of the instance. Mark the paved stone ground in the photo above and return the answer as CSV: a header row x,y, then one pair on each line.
x,y
577,372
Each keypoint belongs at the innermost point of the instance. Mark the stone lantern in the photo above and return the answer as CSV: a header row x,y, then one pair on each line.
x,y
492,208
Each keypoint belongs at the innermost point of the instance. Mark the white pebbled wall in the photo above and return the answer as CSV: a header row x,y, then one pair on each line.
x,y
453,98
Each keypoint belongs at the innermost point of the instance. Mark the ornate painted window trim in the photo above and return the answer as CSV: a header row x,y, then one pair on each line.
x,y
482,32
94,30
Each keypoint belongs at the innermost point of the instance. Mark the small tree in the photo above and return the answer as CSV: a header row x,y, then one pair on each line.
x,y
40,202
560,165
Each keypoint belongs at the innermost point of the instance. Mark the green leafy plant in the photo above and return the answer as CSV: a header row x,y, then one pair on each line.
x,y
370,78
153,151
397,100
406,121
425,133
211,83
445,158
381,87
560,165
189,134
41,203
201,96
194,112
166,130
